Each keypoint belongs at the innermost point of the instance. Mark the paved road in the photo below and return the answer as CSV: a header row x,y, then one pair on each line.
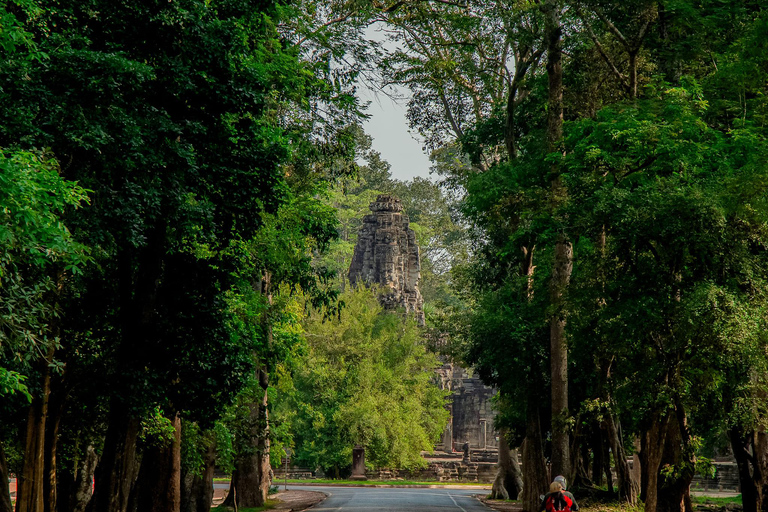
x,y
379,499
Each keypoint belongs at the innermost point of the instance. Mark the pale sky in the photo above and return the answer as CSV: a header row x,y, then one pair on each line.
x,y
389,127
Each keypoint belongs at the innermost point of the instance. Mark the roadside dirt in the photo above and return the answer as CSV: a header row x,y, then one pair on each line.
x,y
289,501
501,505
298,500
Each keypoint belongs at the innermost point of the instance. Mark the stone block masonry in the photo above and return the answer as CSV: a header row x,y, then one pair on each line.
x,y
386,254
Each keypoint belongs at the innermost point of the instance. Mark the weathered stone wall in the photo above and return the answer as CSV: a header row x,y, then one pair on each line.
x,y
472,414
443,471
386,254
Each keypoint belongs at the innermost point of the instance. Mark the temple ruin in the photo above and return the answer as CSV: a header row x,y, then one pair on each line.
x,y
386,254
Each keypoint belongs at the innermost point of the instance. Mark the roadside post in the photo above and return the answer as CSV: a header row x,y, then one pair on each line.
x,y
285,475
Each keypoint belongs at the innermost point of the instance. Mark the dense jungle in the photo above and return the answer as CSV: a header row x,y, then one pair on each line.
x,y
182,183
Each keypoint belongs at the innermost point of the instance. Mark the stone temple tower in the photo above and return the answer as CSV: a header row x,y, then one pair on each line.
x,y
386,254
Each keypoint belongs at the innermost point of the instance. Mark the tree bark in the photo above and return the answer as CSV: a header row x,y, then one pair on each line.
x,y
579,463
633,74
118,467
56,405
665,443
535,477
609,429
197,490
30,491
751,452
598,458
159,483
760,451
250,482
637,468
626,487
673,495
509,129
578,455
5,490
653,441
563,254
81,490
559,360
509,480
603,457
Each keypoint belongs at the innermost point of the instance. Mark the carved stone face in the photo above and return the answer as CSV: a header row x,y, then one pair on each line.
x,y
386,253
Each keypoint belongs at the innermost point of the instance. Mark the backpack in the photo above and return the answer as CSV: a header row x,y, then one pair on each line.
x,y
558,501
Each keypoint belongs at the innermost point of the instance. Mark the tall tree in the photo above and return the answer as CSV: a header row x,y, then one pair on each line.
x,y
179,117
562,265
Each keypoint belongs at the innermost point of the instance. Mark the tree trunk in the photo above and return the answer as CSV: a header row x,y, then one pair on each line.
x,y
580,456
559,360
75,483
751,453
579,452
598,458
665,443
56,405
30,491
637,469
250,482
760,451
605,460
509,129
652,450
535,477
509,479
197,490
750,494
633,74
563,254
118,467
5,490
673,495
626,487
81,490
159,483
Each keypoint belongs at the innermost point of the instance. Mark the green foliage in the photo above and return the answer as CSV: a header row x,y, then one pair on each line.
x,y
682,206
205,137
156,429
184,119
12,383
192,442
665,207
38,254
367,379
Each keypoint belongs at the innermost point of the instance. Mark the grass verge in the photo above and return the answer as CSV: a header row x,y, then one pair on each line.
x,y
707,500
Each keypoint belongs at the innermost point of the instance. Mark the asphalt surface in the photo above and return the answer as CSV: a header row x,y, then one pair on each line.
x,y
379,499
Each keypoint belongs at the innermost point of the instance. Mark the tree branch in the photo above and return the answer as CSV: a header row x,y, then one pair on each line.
x,y
615,31
602,52
397,5
641,35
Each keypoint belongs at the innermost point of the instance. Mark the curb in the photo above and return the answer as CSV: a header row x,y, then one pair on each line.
x,y
396,486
